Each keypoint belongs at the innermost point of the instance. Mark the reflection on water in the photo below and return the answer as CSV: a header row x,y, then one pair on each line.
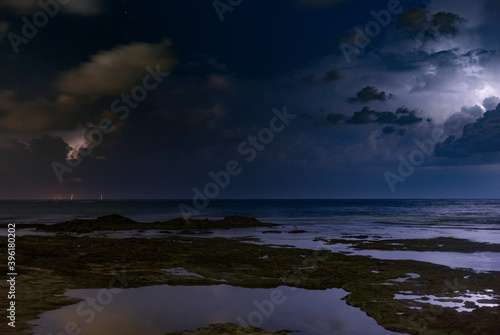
x,y
160,309
475,300
478,261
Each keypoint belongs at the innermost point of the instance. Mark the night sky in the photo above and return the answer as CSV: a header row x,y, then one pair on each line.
x,y
155,99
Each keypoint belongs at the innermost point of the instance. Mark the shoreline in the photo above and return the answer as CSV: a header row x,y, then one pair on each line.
x,y
48,265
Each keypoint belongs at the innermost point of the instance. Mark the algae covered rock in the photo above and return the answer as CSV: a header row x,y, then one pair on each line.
x,y
117,222
229,329
234,221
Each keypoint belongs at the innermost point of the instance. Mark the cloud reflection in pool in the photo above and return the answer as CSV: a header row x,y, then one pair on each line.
x,y
160,309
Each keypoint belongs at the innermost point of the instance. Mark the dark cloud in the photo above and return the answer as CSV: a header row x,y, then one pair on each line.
x,y
402,117
394,130
389,130
482,136
491,103
328,77
413,18
366,115
421,23
333,75
370,93
335,118
456,122
403,110
447,24
407,120
386,117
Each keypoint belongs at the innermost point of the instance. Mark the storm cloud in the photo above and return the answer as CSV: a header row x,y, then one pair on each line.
x,y
432,69
482,136
421,23
370,93
402,117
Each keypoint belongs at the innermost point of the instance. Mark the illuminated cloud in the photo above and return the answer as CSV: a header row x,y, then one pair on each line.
x,y
482,136
109,73
115,72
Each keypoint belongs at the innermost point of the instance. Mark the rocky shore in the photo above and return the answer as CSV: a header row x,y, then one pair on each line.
x,y
49,265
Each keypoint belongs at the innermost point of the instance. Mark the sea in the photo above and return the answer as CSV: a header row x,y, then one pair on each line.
x,y
468,212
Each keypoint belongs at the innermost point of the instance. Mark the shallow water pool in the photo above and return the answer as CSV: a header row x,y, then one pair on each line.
x,y
160,309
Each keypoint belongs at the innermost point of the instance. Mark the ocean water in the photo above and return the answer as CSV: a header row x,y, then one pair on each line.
x,y
422,212
475,220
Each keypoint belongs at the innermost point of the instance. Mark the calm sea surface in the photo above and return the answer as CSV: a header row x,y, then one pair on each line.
x,y
469,212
